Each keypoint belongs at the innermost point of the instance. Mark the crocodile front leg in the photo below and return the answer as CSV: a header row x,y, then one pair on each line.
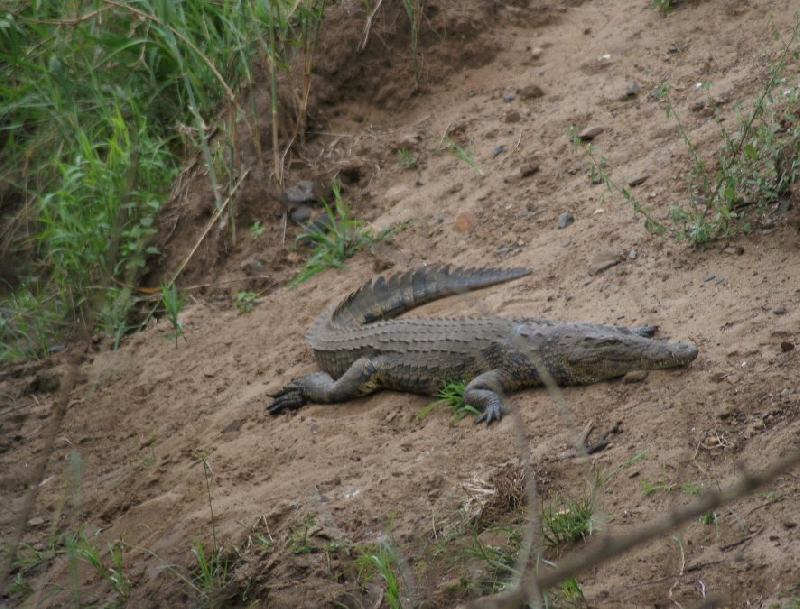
x,y
485,393
360,379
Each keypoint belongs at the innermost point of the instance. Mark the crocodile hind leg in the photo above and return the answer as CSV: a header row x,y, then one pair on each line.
x,y
361,378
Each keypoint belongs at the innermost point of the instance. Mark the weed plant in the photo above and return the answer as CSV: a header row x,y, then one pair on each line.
x,y
752,169
99,104
339,240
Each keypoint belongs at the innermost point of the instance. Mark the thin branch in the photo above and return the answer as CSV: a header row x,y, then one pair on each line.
x,y
609,547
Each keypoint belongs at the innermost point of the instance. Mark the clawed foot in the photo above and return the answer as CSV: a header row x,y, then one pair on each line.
x,y
288,398
490,414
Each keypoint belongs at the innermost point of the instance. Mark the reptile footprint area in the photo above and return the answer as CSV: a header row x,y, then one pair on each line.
x,y
146,424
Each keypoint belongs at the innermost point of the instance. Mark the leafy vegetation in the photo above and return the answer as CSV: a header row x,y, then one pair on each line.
x,y
338,239
754,167
99,104
451,394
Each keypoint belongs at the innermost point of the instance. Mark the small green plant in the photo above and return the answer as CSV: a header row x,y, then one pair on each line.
x,y
414,11
566,522
497,561
243,301
388,566
256,230
406,159
664,5
298,541
339,240
173,303
466,155
691,488
212,567
85,550
709,518
451,394
651,487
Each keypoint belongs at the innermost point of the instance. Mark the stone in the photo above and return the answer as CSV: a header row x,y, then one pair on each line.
x,y
530,91
590,133
604,259
564,220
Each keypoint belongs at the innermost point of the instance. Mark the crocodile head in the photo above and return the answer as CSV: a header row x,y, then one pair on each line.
x,y
608,352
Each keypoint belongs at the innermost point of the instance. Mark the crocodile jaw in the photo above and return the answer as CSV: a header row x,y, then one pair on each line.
x,y
596,359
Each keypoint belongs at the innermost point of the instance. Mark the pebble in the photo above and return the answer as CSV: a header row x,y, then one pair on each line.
x,y
786,346
698,105
512,178
531,92
528,169
590,133
509,96
734,251
536,52
779,309
565,219
36,521
300,213
497,150
302,192
639,179
254,266
604,259
466,222
632,254
632,89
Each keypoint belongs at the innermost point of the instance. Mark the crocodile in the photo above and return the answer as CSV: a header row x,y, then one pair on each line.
x,y
361,347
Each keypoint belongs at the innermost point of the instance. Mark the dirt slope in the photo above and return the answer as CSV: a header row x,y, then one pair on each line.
x,y
148,420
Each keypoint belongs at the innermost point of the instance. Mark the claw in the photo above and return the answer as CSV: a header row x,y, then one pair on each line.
x,y
288,398
489,415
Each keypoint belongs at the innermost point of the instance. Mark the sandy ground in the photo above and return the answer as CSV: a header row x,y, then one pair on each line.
x,y
293,496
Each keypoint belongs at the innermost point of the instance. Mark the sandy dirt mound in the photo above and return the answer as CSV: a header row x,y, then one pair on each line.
x,y
156,436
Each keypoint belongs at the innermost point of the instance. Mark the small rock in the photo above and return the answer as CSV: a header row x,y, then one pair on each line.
x,y
232,427
779,309
512,178
36,521
632,254
512,116
466,222
300,212
497,150
632,89
698,105
302,192
456,188
254,266
509,96
536,52
635,376
786,346
528,169
639,180
734,251
673,48
564,220
604,259
590,133
530,92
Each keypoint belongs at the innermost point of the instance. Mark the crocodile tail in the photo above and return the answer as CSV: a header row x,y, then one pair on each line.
x,y
386,298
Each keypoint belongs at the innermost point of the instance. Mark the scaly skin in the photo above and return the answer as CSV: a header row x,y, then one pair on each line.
x,y
361,348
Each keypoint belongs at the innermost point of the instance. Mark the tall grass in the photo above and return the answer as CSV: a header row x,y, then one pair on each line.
x,y
100,101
